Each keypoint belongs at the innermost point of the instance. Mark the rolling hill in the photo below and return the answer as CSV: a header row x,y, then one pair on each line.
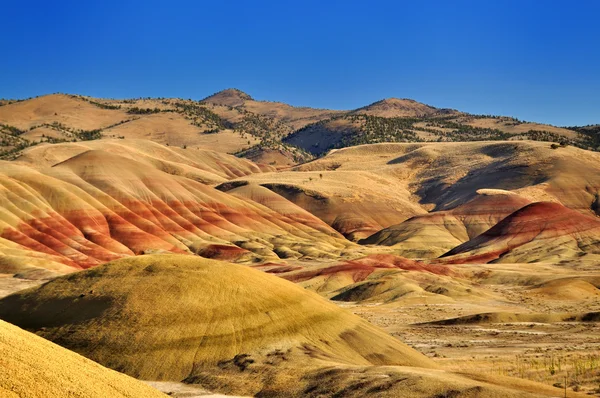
x,y
131,198
69,206
361,190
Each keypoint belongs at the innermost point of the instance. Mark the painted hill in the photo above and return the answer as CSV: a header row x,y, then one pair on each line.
x,y
356,204
111,199
433,234
202,165
375,278
166,317
75,205
541,231
33,367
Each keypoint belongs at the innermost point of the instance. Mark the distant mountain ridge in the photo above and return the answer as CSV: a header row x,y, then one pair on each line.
x,y
233,121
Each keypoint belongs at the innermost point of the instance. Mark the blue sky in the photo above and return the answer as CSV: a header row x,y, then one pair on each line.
x,y
536,60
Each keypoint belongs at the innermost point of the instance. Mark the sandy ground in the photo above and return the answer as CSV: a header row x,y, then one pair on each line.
x,y
181,390
10,284
543,352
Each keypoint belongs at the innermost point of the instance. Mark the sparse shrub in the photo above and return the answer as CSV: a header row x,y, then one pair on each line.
x,y
142,111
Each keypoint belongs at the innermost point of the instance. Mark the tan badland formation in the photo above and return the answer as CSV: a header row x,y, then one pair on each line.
x,y
356,203
507,317
361,190
169,317
445,175
33,367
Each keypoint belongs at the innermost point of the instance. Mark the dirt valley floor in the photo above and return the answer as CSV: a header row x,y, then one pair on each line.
x,y
517,331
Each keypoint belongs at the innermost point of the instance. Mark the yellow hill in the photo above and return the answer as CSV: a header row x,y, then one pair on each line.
x,y
234,330
36,368
168,317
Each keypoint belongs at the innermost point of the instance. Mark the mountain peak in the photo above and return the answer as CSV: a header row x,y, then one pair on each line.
x,y
400,107
229,97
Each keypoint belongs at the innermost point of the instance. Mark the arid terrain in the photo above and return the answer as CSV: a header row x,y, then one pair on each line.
x,y
251,248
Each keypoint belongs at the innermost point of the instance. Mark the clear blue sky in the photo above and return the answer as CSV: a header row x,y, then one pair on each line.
x,y
533,59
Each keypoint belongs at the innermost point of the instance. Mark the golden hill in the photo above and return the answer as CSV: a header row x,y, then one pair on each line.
x,y
34,368
169,317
